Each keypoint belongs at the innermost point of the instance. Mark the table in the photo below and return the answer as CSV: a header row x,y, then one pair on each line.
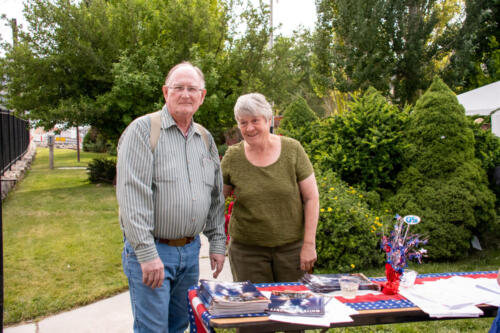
x,y
373,310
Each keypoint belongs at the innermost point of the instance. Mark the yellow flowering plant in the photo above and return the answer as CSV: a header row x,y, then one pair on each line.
x,y
345,237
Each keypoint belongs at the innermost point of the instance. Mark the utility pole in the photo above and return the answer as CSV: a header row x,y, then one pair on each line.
x,y
271,24
271,40
13,25
78,143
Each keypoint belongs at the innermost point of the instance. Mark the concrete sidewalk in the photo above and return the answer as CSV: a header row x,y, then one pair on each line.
x,y
112,315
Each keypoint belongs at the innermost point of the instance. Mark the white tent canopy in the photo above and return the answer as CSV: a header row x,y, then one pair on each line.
x,y
483,101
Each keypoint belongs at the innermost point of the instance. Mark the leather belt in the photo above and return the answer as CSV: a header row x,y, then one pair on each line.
x,y
175,242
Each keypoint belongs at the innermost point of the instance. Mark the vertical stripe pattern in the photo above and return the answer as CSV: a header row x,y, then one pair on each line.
x,y
171,193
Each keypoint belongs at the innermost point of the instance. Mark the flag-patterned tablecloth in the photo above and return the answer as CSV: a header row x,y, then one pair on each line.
x,y
199,317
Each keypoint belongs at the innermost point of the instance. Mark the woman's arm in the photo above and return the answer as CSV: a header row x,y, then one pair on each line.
x,y
310,197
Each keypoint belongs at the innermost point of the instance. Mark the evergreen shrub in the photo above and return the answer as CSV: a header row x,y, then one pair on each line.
x,y
102,170
443,182
487,151
297,114
346,238
364,146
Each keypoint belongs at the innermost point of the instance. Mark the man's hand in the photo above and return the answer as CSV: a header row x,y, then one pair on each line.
x,y
307,257
217,263
153,273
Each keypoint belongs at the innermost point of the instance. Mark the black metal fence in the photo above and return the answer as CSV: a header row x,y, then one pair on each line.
x,y
14,138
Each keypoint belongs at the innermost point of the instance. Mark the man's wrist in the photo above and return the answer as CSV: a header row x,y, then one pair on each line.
x,y
146,253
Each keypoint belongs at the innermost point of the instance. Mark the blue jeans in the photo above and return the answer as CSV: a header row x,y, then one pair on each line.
x,y
495,325
163,309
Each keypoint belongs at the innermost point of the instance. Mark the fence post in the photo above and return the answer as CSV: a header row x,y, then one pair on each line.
x,y
1,261
50,143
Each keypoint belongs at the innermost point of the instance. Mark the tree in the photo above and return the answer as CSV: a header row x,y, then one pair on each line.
x,y
390,45
103,62
443,182
476,60
249,65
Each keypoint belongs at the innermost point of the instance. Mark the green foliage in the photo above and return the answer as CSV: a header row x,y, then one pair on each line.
x,y
130,45
248,65
487,151
297,114
364,146
443,182
476,57
93,141
222,149
390,45
102,170
346,237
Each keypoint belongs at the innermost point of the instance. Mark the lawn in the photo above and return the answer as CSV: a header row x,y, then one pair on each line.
x,y
62,247
62,240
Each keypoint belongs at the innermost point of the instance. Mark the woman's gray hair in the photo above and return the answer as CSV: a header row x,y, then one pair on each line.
x,y
253,104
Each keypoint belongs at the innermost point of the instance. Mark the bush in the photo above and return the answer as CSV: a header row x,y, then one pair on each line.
x,y
364,146
222,149
346,237
93,141
487,151
297,115
102,170
443,182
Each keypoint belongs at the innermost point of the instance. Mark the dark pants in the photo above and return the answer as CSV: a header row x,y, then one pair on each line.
x,y
261,264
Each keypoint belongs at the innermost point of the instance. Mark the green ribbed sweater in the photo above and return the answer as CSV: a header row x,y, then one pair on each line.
x,y
268,210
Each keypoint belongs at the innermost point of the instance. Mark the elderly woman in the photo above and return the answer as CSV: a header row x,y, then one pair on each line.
x,y
274,218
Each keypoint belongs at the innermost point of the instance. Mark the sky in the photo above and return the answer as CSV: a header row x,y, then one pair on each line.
x,y
290,13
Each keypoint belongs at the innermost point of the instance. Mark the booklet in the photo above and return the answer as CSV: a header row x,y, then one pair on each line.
x,y
325,283
297,303
231,298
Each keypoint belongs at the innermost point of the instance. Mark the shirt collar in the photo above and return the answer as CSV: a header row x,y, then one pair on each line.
x,y
168,121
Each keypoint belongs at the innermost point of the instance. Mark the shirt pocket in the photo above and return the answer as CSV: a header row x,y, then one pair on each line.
x,y
208,171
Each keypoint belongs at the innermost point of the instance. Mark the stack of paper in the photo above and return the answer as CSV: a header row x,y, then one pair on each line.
x,y
453,297
231,298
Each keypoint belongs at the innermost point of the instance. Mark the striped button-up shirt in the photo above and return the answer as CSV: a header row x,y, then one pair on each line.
x,y
172,192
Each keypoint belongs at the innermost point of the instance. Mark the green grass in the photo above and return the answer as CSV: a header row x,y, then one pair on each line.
x,y
62,240
62,248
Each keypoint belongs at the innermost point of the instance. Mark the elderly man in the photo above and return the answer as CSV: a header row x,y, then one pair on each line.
x,y
169,189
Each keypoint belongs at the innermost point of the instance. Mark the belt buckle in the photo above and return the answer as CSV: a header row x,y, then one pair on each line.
x,y
178,242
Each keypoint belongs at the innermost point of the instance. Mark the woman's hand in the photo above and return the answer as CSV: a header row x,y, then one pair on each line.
x,y
307,257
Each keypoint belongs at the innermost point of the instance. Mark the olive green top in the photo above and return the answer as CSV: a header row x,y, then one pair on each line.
x,y
268,210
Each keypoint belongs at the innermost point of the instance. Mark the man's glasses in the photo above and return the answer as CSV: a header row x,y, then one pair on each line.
x,y
190,90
